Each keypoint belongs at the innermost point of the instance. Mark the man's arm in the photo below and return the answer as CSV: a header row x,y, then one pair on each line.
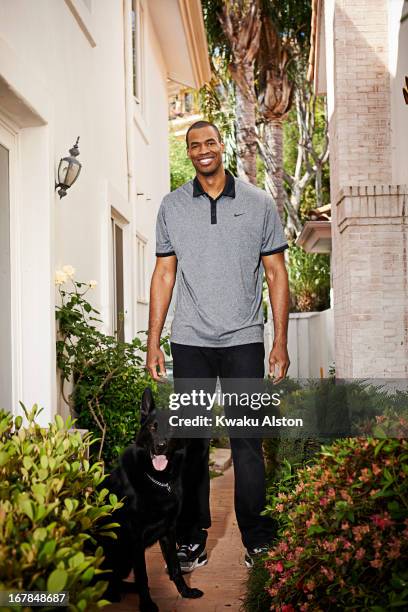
x,y
161,290
278,286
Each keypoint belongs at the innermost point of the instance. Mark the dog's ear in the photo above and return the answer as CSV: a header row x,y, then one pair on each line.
x,y
147,403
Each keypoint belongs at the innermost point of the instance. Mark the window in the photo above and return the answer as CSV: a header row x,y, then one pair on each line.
x,y
117,273
141,243
137,50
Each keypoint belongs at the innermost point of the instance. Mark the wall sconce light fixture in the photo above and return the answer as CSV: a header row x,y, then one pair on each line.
x,y
405,90
68,170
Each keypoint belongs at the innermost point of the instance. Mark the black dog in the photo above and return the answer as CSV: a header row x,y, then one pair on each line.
x,y
148,477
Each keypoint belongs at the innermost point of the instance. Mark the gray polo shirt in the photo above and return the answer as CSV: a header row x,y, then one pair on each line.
x,y
218,244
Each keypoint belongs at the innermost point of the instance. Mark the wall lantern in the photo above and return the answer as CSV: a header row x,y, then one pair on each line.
x,y
405,90
68,170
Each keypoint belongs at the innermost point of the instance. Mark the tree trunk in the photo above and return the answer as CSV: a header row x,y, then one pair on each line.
x,y
273,138
246,135
241,23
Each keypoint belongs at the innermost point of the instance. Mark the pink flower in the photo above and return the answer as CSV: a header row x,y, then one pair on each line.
x,y
360,554
279,567
377,563
376,469
283,546
323,501
287,608
329,546
382,521
365,475
344,495
328,572
394,549
311,585
280,507
345,525
346,544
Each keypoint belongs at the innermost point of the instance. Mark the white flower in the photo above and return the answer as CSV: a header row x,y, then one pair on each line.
x,y
92,284
69,271
60,277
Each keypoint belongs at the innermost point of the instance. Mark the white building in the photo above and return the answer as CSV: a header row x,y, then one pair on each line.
x,y
360,60
101,70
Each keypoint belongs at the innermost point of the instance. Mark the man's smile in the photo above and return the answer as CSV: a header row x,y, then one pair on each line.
x,y
205,161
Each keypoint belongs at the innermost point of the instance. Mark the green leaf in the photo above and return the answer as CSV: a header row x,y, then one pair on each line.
x,y
27,463
27,508
57,581
48,548
40,534
77,559
4,457
378,447
315,529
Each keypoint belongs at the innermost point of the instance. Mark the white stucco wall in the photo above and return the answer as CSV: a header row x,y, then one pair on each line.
x,y
310,343
74,79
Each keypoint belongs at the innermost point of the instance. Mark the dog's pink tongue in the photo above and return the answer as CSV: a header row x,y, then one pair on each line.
x,y
159,462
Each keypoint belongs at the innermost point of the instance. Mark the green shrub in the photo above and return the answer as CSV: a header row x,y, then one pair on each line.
x,y
50,511
309,279
344,530
347,408
108,375
257,598
181,168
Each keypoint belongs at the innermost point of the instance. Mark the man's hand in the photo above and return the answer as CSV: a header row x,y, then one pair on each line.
x,y
278,357
155,357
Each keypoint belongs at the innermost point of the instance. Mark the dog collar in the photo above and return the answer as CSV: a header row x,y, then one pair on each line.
x,y
161,484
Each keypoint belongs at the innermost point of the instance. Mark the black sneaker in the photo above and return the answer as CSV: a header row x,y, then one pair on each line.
x,y
191,556
252,554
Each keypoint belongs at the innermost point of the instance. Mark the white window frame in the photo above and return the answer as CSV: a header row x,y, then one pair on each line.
x,y
138,49
141,262
119,221
9,139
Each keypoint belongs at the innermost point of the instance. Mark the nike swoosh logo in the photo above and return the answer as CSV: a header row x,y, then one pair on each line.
x,y
238,214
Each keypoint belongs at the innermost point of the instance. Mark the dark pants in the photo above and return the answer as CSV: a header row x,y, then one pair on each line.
x,y
242,361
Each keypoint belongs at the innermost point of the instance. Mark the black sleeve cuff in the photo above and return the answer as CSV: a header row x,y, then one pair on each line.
x,y
165,254
278,250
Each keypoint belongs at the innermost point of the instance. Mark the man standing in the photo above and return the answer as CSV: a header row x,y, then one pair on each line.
x,y
218,234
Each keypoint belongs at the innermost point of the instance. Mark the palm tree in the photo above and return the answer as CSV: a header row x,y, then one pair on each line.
x,y
241,24
275,100
233,33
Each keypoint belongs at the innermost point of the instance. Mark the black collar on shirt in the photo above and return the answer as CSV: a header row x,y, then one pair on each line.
x,y
229,187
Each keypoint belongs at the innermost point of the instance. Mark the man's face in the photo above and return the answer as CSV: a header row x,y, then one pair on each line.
x,y
205,150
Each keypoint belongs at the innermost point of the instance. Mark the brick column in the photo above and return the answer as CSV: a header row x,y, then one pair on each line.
x,y
368,212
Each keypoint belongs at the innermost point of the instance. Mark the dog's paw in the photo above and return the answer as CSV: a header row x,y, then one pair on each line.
x,y
192,593
148,606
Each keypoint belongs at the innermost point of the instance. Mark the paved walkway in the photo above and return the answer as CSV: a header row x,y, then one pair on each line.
x,y
222,579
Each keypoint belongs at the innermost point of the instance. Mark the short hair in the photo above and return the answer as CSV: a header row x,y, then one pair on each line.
x,y
201,124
